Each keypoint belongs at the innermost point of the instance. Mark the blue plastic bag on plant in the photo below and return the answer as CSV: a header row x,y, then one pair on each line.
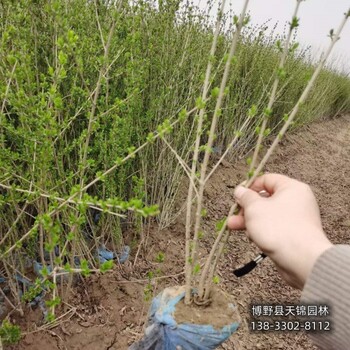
x,y
164,333
105,255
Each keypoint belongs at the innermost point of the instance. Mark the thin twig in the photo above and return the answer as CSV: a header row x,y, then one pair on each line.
x,y
232,143
274,88
183,164
211,138
188,261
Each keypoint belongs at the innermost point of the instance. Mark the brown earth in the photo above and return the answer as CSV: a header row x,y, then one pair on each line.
x,y
108,312
222,304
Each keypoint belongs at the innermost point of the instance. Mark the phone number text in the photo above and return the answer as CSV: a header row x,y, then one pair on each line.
x,y
288,326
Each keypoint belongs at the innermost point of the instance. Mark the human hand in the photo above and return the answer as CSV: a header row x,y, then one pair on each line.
x,y
286,225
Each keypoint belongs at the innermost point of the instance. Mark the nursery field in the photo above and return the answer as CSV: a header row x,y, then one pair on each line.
x,y
110,310
124,128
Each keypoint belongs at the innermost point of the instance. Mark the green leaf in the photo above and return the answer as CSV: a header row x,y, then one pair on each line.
x,y
9,333
62,58
246,20
279,45
267,132
196,269
200,104
44,271
84,266
220,224
238,133
216,279
183,115
106,266
267,112
57,101
160,257
252,111
50,317
67,267
294,23
294,47
250,174
219,112
51,71
53,302
215,92
281,73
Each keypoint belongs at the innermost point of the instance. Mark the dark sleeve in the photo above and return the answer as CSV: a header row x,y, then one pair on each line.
x,y
329,284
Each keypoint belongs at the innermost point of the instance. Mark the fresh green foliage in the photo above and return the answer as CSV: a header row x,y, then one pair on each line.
x,y
196,269
107,266
9,333
84,84
220,224
148,292
216,279
160,257
53,302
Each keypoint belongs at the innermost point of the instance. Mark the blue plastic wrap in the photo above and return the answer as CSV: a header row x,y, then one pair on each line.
x,y
25,285
163,333
37,267
104,254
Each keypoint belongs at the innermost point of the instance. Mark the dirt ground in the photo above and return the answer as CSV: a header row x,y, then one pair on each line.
x,y
108,312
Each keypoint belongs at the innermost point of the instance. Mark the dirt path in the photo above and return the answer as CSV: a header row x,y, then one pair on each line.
x,y
110,310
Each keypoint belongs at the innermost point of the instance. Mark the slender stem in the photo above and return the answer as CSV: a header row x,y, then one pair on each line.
x,y
212,136
216,261
7,299
98,24
54,291
14,224
94,105
183,164
232,143
4,102
94,205
191,188
298,104
274,89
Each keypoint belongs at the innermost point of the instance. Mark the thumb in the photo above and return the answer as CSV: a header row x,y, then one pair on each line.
x,y
245,196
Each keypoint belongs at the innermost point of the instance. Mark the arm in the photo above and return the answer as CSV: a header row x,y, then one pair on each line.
x,y
329,284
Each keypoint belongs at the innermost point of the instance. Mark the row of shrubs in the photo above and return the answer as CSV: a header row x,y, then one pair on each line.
x,y
84,82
